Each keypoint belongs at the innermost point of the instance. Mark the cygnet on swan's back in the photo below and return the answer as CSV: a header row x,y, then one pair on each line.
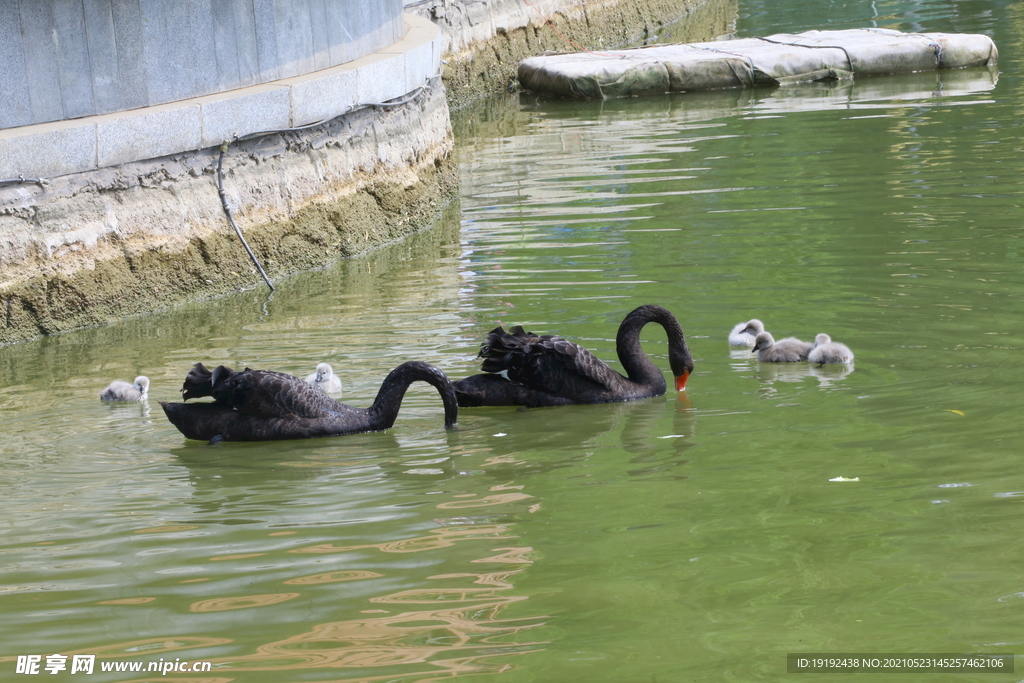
x,y
744,334
788,350
122,391
325,379
827,351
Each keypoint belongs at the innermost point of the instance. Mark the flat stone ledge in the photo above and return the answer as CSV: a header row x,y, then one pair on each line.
x,y
259,108
160,130
317,96
52,149
47,149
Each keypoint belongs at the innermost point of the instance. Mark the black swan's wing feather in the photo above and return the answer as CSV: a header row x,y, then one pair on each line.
x,y
546,362
266,394
260,393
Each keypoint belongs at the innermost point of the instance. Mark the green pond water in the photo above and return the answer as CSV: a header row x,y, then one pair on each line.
x,y
694,536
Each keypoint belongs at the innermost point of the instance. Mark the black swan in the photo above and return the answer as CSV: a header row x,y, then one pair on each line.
x,y
259,405
325,379
827,351
744,334
788,350
122,391
544,370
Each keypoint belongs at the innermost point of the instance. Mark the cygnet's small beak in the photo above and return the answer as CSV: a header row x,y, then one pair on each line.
x,y
681,380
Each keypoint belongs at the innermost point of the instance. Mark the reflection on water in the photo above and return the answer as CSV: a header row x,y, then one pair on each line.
x,y
826,375
243,602
439,538
332,577
699,535
459,640
470,634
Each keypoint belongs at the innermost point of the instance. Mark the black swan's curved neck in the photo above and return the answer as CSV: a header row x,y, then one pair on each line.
x,y
385,408
639,368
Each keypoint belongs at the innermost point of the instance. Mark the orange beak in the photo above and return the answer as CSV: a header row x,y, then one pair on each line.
x,y
681,380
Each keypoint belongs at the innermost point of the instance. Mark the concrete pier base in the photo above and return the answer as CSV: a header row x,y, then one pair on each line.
x,y
92,247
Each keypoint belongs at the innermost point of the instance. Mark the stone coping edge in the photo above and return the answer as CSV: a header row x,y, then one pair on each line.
x,y
47,150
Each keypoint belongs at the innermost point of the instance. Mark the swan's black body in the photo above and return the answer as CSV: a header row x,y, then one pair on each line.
x,y
259,405
545,370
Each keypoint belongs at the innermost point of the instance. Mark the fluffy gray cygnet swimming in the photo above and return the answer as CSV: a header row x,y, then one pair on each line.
x,y
325,379
745,334
788,350
827,351
122,391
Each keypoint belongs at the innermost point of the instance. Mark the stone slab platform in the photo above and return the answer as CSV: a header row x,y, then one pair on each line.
x,y
774,60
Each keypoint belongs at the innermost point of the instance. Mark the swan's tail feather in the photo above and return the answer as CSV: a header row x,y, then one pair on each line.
x,y
201,382
198,383
498,347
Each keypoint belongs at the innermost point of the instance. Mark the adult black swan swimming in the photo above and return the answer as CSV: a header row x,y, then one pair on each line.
x,y
544,370
260,405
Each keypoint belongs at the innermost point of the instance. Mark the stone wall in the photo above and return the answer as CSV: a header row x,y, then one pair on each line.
x,y
147,235
64,60
60,148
